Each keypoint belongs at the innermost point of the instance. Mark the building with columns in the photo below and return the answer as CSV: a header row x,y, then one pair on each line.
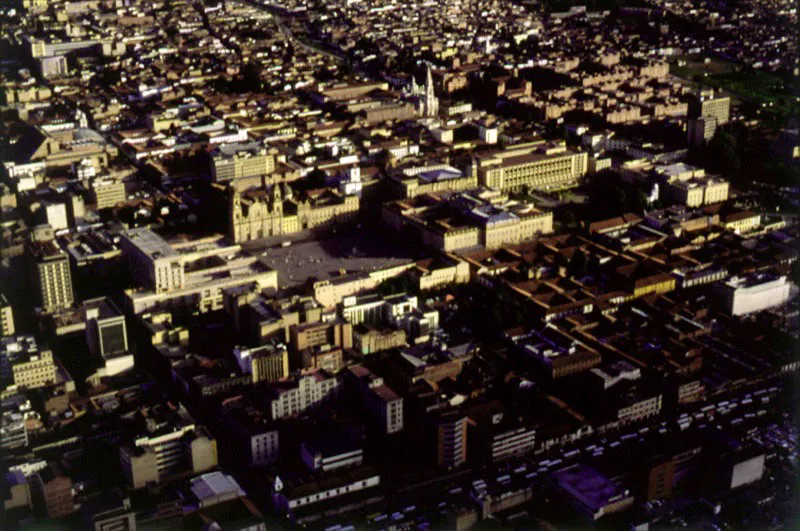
x,y
275,211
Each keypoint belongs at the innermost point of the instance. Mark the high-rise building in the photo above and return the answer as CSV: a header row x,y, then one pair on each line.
x,y
250,439
50,273
380,400
451,439
336,334
153,261
157,456
106,333
705,103
107,192
6,317
700,130
55,492
267,363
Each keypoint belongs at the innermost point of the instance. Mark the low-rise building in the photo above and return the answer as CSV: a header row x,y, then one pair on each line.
x,y
440,271
496,434
297,496
465,220
54,490
590,493
25,364
328,454
417,180
741,221
555,353
15,412
690,186
743,295
330,359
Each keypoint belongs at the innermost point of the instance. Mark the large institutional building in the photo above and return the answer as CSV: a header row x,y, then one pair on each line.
x,y
262,213
535,165
191,273
452,222
418,180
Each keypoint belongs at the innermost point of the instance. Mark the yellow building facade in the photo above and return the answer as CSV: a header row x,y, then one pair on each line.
x,y
277,213
536,168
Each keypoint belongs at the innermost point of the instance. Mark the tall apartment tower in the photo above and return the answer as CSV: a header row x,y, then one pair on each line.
x,y
6,317
706,104
451,439
701,130
268,363
49,271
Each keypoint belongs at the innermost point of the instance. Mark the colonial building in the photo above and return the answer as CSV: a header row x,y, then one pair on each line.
x,y
263,213
457,221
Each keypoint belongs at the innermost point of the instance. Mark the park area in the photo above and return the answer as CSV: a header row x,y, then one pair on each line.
x,y
771,97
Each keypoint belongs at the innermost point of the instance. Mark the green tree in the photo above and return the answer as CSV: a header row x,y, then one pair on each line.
x,y
316,179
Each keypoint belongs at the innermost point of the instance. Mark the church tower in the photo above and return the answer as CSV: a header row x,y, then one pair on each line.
x,y
431,104
235,211
277,200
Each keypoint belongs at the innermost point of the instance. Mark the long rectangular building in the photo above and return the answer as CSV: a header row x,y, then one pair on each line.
x,y
191,273
535,166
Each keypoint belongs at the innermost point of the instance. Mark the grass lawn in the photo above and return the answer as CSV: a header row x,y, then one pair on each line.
x,y
695,65
771,97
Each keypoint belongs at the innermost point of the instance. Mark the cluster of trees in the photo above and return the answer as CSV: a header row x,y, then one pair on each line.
x,y
607,197
742,154
396,285
488,312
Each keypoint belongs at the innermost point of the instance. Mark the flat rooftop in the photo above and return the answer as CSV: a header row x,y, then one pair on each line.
x,y
45,250
588,486
150,243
